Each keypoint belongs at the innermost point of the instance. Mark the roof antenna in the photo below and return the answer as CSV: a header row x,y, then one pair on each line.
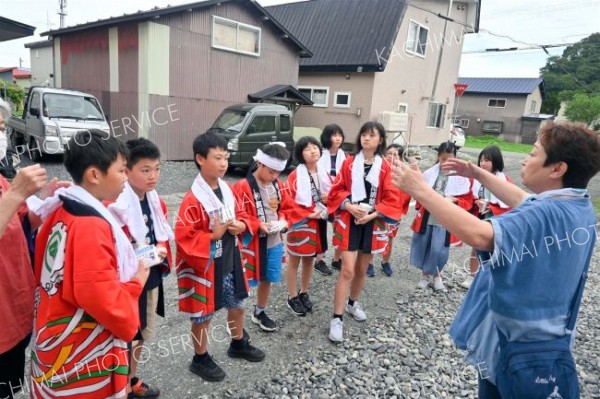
x,y
63,13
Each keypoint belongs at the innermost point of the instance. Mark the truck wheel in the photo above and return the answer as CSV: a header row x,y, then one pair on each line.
x,y
34,151
16,139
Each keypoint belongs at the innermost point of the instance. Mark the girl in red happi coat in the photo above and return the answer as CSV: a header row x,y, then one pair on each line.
x,y
365,202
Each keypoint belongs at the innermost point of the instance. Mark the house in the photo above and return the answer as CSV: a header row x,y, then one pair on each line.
x,y
10,29
40,54
506,107
167,73
380,59
16,75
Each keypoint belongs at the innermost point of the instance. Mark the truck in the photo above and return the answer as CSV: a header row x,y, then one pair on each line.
x,y
50,118
247,127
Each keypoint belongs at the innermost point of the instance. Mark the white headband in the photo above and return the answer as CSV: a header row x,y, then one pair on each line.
x,y
269,161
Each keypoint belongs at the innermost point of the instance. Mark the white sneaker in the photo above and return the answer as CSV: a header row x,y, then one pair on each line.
x,y
356,311
467,283
336,330
423,283
438,284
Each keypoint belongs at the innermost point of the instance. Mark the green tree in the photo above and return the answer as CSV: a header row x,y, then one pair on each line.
x,y
577,70
583,108
16,95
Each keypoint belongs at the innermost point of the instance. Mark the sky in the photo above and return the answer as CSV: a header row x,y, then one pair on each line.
x,y
526,22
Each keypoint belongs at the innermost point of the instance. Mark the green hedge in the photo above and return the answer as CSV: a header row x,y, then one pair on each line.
x,y
484,141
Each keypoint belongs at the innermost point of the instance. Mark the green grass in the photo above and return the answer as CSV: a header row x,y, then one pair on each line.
x,y
484,141
596,203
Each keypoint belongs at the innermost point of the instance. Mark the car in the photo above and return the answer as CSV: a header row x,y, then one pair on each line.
x,y
457,136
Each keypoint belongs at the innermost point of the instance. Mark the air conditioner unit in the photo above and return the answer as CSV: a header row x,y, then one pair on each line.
x,y
393,121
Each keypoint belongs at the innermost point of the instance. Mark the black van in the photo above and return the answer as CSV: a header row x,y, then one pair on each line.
x,y
247,127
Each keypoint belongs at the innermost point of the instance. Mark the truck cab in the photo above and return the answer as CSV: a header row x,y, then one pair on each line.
x,y
247,127
51,117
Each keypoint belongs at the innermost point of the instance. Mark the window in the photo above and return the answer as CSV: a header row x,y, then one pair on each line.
x,y
436,114
342,100
235,36
533,106
417,39
262,124
318,95
497,103
34,103
285,123
491,127
460,122
402,108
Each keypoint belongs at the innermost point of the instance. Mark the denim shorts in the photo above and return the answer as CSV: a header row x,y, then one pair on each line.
x,y
228,300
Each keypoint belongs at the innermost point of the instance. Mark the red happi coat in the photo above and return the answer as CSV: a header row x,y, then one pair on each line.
x,y
419,224
404,205
306,237
196,276
389,202
165,267
84,314
252,252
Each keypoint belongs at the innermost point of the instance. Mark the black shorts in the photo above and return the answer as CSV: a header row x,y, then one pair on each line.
x,y
361,236
12,368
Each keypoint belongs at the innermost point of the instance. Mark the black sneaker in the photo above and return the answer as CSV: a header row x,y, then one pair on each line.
x,y
336,264
247,352
370,270
305,300
208,370
264,321
387,269
139,389
322,268
296,306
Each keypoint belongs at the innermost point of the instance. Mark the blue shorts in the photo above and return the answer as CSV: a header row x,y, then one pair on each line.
x,y
228,300
273,266
274,256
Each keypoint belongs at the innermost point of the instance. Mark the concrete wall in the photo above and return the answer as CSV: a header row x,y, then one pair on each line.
x,y
411,79
360,85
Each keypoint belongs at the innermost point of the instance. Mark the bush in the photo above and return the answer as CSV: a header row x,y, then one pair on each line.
x,y
16,95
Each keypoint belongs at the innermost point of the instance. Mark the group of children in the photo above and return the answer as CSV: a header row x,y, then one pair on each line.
x,y
93,313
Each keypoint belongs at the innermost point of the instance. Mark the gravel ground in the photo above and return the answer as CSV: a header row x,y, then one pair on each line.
x,y
402,350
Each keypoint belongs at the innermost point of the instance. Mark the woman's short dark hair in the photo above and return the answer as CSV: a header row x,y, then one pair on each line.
x,y
302,144
398,147
494,155
329,131
92,148
575,145
368,127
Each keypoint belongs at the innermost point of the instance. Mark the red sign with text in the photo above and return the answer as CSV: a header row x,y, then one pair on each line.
x,y
460,88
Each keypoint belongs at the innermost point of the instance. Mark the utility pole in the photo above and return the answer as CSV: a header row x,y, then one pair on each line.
x,y
63,13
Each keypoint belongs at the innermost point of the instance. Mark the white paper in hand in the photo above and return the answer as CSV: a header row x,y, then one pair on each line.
x,y
149,255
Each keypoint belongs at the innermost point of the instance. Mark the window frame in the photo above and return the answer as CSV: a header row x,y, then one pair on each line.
x,y
405,105
493,131
496,99
343,93
417,37
441,117
533,106
312,92
248,27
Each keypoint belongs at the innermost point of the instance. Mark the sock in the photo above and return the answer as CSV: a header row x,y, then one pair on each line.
x,y
237,343
258,310
338,316
200,358
350,302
